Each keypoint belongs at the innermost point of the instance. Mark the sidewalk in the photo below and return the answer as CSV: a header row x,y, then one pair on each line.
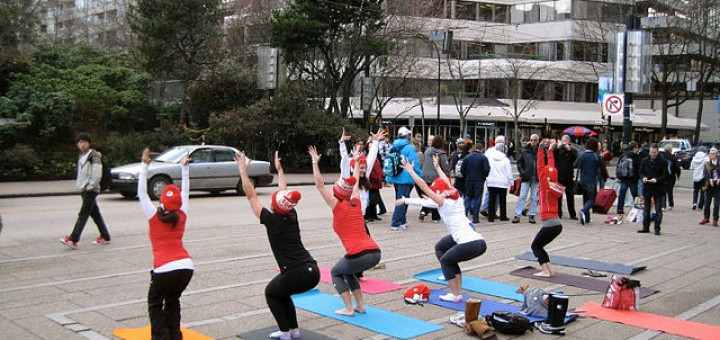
x,y
67,187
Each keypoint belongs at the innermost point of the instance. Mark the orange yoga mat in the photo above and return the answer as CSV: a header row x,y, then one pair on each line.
x,y
689,329
143,333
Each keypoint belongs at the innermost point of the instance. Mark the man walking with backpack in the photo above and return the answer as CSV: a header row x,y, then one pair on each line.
x,y
90,170
627,173
401,152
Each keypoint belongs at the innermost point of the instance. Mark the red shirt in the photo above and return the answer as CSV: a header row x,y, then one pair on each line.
x,y
167,245
546,173
349,225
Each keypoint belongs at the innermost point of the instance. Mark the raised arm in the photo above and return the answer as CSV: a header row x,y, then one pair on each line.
x,y
319,182
373,150
185,183
409,167
247,186
145,203
344,157
439,169
282,184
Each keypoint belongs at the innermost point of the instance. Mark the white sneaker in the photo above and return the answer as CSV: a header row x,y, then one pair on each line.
x,y
280,335
441,278
582,218
401,227
458,319
450,297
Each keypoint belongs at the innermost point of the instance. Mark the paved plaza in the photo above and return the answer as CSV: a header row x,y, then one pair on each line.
x,y
48,292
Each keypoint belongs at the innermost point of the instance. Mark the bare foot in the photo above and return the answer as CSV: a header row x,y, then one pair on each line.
x,y
542,274
345,312
360,309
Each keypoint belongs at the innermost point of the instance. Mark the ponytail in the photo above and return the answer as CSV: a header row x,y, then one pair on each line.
x,y
168,217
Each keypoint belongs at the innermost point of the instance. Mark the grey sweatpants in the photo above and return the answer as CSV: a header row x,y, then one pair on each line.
x,y
343,272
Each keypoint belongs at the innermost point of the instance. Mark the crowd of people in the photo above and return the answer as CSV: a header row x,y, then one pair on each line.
x,y
455,188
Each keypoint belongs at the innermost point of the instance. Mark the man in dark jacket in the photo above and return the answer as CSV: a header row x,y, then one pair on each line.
x,y
527,167
653,170
627,174
475,169
673,174
565,156
456,157
588,163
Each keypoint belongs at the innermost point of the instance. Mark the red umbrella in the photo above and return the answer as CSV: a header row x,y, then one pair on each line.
x,y
579,131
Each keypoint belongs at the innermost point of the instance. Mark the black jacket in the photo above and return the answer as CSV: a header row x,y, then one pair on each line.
x,y
475,167
564,160
673,168
527,164
654,169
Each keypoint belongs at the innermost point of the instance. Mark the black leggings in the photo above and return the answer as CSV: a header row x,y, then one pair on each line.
x,y
293,281
164,302
450,253
544,236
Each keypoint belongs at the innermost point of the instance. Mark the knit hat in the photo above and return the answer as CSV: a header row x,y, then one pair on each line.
x,y
170,198
363,161
284,201
442,188
343,188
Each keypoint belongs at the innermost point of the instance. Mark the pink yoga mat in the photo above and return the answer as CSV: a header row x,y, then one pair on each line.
x,y
661,323
367,285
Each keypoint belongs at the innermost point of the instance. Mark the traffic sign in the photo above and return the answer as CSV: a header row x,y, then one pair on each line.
x,y
613,103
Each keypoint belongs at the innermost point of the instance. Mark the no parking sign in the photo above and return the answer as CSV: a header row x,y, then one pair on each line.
x,y
613,103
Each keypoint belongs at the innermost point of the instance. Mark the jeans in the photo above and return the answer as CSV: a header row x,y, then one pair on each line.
x,y
698,193
544,236
278,293
450,254
343,272
712,195
659,197
570,197
89,208
399,218
626,184
473,197
524,188
164,303
589,193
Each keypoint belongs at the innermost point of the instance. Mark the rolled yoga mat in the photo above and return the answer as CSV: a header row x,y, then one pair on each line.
x,y
574,280
618,268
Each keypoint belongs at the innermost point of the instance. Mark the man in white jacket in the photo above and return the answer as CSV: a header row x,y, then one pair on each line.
x,y
698,167
499,179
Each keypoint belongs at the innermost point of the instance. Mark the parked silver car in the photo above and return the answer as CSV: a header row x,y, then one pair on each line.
x,y
212,168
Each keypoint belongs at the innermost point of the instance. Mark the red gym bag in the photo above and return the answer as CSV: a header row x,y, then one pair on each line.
x,y
622,294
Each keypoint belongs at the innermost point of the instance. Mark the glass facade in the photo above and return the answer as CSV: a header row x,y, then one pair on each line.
x,y
532,12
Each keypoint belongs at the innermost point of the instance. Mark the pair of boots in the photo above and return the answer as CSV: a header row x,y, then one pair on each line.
x,y
473,326
557,308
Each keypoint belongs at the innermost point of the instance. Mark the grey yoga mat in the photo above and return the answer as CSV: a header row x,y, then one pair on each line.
x,y
618,268
589,283
262,334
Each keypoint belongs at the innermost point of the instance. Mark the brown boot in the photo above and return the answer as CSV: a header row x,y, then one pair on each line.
x,y
479,328
704,221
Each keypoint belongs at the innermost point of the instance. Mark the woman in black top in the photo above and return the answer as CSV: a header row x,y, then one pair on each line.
x,y
298,270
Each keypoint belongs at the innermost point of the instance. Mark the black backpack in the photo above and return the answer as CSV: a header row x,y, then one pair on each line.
x,y
106,179
624,168
509,323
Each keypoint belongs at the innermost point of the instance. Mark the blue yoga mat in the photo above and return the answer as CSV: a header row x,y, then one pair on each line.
x,y
476,285
376,320
618,268
486,308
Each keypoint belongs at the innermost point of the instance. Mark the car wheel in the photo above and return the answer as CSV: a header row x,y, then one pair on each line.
x,y
128,194
239,188
156,186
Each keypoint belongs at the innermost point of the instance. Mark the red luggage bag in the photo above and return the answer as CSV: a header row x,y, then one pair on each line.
x,y
604,200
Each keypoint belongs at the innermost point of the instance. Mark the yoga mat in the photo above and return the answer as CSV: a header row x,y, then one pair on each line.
x,y
262,334
689,329
590,283
586,264
476,285
486,308
367,285
377,320
143,333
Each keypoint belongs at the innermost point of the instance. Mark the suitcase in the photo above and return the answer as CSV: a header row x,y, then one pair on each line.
x,y
604,200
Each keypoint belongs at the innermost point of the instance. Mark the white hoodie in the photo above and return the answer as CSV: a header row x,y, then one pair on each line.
x,y
500,169
698,165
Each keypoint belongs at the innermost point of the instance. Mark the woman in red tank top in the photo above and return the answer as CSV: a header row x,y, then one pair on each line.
x,y
361,251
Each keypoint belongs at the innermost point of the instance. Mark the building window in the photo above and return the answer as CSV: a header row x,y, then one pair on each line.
x,y
466,10
500,14
485,12
547,11
563,9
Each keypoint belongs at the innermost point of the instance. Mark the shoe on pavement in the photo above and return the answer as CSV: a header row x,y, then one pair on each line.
x,y
295,334
643,231
573,217
422,216
532,219
657,231
280,335
68,242
545,327
582,218
450,297
694,206
516,219
401,227
704,221
715,223
504,219
101,240
484,213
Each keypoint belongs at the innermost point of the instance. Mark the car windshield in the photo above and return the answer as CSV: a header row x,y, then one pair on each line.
x,y
173,155
675,144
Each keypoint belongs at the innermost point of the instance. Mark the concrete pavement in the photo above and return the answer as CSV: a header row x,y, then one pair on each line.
x,y
48,292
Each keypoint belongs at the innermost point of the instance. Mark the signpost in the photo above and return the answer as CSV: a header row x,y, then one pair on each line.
x,y
613,103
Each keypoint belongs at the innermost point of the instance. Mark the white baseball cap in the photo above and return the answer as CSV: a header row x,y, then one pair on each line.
x,y
404,132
